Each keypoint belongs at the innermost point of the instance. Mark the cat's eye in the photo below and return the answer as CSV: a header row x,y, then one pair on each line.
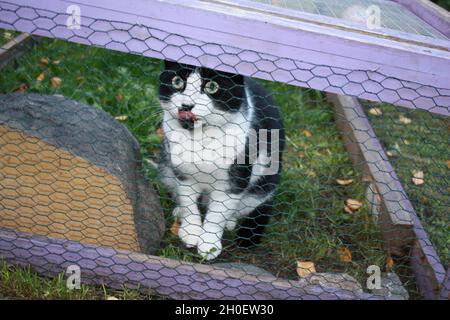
x,y
177,82
211,87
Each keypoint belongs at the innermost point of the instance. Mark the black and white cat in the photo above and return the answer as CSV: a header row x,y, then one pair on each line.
x,y
223,141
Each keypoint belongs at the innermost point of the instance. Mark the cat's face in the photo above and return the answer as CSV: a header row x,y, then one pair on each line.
x,y
199,95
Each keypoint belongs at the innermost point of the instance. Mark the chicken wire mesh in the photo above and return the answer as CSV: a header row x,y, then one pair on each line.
x,y
394,17
70,172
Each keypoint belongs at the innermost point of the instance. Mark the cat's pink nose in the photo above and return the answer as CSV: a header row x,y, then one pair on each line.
x,y
187,116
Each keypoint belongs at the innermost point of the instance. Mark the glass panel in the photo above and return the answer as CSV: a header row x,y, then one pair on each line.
x,y
392,15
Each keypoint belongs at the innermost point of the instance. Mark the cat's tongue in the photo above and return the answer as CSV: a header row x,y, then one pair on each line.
x,y
187,116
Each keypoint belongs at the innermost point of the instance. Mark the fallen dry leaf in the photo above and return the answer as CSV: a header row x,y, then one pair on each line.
x,y
44,61
175,227
448,164
56,82
344,182
305,267
345,255
389,263
418,177
375,111
353,204
348,210
22,88
119,97
40,77
7,35
307,133
404,120
160,132
121,118
56,62
311,173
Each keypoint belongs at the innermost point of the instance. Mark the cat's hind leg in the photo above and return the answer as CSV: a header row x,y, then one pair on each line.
x,y
253,225
231,223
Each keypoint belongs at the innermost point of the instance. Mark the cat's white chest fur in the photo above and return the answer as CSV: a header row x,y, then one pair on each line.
x,y
206,153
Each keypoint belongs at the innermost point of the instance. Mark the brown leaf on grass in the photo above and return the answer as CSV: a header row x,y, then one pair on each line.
x,y
418,177
307,133
389,263
56,82
44,61
348,210
448,164
305,267
160,132
375,111
121,118
344,182
22,88
311,173
353,205
175,227
404,120
40,77
8,35
119,97
345,255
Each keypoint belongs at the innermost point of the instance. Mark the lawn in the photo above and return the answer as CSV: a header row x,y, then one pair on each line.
x,y
6,36
24,283
418,141
311,224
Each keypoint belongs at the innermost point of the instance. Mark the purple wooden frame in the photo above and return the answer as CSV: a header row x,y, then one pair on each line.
x,y
300,50
401,227
168,277
431,13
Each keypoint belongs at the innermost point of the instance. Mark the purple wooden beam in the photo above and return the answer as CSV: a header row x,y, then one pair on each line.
x,y
15,48
407,72
434,15
399,223
172,278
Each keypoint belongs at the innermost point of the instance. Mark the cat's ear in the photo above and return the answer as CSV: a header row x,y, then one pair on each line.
x,y
171,65
238,79
176,66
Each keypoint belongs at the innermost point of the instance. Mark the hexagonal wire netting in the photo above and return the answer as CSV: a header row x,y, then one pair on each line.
x,y
200,183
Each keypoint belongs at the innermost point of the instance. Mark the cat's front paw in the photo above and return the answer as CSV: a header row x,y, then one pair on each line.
x,y
209,247
190,235
231,224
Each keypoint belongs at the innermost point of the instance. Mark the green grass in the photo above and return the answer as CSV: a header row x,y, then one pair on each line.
x,y
24,283
443,3
311,224
420,145
6,36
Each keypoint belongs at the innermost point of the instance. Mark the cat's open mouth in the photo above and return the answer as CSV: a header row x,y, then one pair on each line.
x,y
187,119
